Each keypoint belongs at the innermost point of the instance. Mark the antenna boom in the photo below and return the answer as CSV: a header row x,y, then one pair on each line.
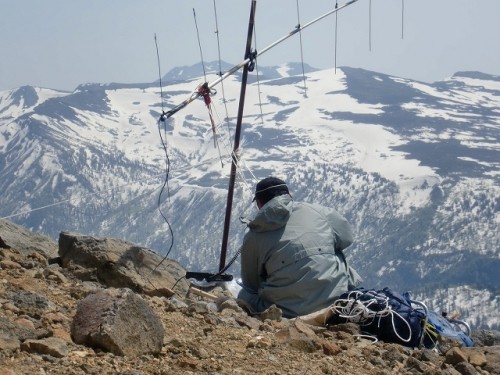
x,y
195,94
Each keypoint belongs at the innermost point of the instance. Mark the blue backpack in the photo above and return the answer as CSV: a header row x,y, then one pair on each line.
x,y
440,325
394,317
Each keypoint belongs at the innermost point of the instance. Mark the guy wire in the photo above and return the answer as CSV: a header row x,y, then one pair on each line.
x,y
402,18
167,161
235,158
199,45
220,74
336,35
257,74
165,186
301,50
370,26
159,75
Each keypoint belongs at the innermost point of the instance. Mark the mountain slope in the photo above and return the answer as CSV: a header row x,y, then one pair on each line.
x,y
413,166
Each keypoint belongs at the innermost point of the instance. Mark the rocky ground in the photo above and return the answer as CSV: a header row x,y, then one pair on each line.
x,y
202,336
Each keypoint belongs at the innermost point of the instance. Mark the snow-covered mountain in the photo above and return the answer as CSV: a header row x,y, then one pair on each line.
x,y
413,166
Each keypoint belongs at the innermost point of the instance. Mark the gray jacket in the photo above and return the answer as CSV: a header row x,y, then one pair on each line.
x,y
292,257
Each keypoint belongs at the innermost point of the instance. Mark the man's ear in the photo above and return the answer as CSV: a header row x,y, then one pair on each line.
x,y
259,203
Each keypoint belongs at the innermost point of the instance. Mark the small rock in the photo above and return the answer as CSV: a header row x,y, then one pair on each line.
x,y
174,304
84,274
53,274
353,352
131,372
79,353
9,253
212,319
454,356
272,313
420,366
26,323
31,304
351,328
9,342
393,355
10,264
84,289
199,307
477,359
465,368
428,355
248,321
52,346
199,352
305,329
225,303
62,334
159,292
10,307
445,344
259,342
177,342
6,371
29,265
38,257
188,362
448,370
377,361
11,334
298,340
329,348
493,355
55,317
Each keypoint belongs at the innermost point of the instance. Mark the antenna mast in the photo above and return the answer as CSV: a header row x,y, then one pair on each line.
x,y
234,160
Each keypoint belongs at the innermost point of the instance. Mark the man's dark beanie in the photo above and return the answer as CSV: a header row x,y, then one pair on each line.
x,y
268,188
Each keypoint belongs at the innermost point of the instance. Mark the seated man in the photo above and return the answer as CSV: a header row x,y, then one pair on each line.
x,y
292,254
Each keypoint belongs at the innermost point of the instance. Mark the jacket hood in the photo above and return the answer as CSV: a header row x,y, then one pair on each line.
x,y
273,215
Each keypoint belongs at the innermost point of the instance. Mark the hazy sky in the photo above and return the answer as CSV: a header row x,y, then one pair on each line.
x,y
62,43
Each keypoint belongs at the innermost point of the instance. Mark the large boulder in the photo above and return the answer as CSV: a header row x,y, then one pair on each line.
x,y
121,264
25,241
118,321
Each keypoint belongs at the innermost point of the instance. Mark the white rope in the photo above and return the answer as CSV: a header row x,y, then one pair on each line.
x,y
372,338
360,311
